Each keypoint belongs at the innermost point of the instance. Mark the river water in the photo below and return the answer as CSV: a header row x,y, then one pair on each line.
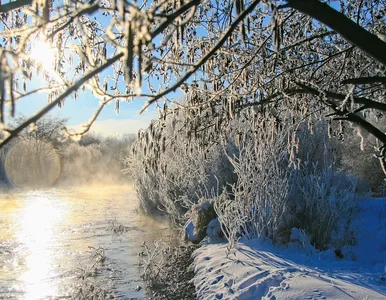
x,y
52,242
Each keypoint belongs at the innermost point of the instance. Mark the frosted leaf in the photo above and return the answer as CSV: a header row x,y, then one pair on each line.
x,y
32,127
116,108
381,36
76,137
5,134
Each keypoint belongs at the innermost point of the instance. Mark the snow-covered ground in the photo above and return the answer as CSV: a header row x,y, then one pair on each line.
x,y
260,270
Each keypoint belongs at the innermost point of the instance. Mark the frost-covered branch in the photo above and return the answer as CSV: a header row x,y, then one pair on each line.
x,y
14,132
208,56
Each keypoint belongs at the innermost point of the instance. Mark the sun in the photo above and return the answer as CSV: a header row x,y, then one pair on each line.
x,y
43,53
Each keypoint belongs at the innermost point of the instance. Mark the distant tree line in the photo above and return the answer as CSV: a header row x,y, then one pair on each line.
x,y
43,155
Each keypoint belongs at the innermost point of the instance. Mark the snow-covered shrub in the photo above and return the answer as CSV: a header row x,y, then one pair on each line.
x,y
363,164
152,262
352,151
272,178
314,145
285,182
231,219
172,169
257,204
358,152
322,200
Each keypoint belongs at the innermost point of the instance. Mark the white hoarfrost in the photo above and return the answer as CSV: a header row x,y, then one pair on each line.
x,y
260,270
190,235
213,230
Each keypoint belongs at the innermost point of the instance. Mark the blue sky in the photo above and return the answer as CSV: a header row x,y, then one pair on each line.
x,y
80,111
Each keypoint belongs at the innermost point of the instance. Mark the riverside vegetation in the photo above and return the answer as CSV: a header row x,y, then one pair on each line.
x,y
244,90
252,185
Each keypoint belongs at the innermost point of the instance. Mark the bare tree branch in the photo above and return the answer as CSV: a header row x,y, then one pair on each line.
x,y
47,108
14,5
308,39
210,54
348,29
87,126
360,100
89,10
365,80
170,18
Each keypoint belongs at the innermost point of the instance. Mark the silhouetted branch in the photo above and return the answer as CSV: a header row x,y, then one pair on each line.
x,y
209,55
360,100
348,29
365,80
14,5
13,133
351,116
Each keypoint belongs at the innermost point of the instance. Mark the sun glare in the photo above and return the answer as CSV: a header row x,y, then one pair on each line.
x,y
43,54
38,222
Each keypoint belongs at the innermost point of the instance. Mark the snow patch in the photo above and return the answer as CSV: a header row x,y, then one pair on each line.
x,y
260,270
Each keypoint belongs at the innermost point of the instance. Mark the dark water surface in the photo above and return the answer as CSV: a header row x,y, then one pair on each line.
x,y
46,235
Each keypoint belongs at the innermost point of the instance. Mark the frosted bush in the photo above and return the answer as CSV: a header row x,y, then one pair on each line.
x,y
231,219
257,203
280,181
172,171
321,200
344,152
278,190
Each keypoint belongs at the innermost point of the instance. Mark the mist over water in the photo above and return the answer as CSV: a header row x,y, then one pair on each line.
x,y
59,212
90,165
34,163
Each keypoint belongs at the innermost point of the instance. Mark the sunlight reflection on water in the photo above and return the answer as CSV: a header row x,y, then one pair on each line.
x,y
45,238
39,218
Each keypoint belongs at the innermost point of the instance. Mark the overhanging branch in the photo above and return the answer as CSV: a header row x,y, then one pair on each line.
x,y
204,59
48,107
14,5
359,100
367,126
350,116
352,32
365,80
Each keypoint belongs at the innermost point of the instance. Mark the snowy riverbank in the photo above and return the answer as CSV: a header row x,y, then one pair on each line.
x,y
260,270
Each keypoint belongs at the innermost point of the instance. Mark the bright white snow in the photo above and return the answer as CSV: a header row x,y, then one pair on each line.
x,y
260,270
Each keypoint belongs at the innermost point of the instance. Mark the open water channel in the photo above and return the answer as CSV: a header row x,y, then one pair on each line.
x,y
51,241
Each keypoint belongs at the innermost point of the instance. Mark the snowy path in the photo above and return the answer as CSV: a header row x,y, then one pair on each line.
x,y
262,271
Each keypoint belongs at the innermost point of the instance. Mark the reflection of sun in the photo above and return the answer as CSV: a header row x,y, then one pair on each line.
x,y
43,53
38,221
